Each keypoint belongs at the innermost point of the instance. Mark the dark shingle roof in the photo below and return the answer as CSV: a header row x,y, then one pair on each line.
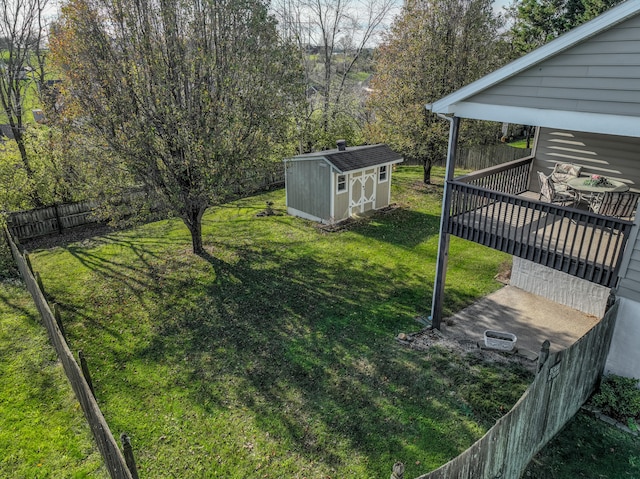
x,y
357,157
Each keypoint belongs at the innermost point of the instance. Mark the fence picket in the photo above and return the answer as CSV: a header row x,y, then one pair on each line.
x,y
564,381
113,458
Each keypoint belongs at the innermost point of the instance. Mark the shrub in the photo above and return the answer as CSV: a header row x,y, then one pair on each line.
x,y
618,397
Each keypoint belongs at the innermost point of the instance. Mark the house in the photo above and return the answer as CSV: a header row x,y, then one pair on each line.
x,y
582,93
332,185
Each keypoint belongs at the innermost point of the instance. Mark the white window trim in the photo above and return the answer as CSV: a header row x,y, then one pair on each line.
x,y
386,173
346,184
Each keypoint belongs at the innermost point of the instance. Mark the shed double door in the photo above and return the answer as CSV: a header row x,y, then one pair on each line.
x,y
362,187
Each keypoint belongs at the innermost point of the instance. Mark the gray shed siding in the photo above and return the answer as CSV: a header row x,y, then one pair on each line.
x,y
616,157
601,75
382,194
341,202
308,185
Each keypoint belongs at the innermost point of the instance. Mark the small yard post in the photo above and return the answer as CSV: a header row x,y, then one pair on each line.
x,y
397,471
85,371
443,243
128,455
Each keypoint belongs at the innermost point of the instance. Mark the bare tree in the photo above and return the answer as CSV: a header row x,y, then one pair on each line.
x,y
433,48
331,36
21,62
189,94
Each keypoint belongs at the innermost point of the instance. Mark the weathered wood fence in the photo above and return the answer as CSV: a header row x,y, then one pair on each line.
x,y
564,382
24,225
478,158
51,219
78,375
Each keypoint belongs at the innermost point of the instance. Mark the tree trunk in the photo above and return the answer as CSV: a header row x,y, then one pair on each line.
x,y
193,221
426,165
34,194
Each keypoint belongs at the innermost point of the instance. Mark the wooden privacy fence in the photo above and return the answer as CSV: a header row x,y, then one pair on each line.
x,y
564,382
117,465
478,158
24,225
51,219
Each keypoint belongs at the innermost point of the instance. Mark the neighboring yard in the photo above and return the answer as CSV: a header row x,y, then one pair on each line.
x,y
42,430
275,355
587,447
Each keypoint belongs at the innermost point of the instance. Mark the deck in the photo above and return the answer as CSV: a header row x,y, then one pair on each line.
x,y
494,208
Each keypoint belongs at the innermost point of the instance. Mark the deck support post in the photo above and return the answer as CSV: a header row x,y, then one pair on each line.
x,y
443,243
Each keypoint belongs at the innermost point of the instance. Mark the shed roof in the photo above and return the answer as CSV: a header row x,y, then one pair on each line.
x,y
587,79
355,158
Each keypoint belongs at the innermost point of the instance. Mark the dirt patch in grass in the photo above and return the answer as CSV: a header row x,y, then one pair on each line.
x,y
427,338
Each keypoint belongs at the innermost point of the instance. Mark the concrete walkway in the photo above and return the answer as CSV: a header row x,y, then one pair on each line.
x,y
531,318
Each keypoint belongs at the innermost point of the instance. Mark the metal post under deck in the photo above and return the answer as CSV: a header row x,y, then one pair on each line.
x,y
443,243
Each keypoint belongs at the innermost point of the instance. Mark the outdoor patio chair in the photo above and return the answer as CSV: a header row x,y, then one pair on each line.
x,y
563,172
620,205
554,192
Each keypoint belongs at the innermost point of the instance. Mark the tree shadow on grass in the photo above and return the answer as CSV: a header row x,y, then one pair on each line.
x,y
400,227
304,343
310,348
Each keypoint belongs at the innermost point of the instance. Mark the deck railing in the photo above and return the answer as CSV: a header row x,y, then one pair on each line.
x,y
576,242
485,209
511,177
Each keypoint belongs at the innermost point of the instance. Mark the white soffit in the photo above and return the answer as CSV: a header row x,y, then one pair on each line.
x,y
561,119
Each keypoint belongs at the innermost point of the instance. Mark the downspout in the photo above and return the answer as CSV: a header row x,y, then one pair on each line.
x,y
443,242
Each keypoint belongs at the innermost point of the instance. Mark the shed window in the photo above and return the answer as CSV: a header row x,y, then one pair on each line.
x,y
342,183
382,175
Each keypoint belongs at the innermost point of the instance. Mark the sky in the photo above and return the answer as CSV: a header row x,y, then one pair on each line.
x,y
499,4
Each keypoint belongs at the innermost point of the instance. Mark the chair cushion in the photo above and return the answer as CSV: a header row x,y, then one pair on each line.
x,y
563,172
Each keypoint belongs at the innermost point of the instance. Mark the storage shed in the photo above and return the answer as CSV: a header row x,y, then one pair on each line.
x,y
332,185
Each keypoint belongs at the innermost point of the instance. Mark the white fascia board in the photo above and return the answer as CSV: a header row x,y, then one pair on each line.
x,y
305,158
314,158
565,120
579,34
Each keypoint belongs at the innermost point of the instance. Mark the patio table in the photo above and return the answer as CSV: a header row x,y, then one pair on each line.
x,y
586,192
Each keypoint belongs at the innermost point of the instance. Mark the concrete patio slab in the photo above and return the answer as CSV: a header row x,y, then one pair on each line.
x,y
533,319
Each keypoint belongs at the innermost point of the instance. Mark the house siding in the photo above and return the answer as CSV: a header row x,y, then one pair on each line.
x,y
308,186
616,157
600,75
624,354
629,283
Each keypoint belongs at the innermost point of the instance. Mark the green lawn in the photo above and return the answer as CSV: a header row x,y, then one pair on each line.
x,y
42,430
274,355
588,448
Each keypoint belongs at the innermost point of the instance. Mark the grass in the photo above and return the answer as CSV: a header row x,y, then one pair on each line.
x,y
274,354
42,429
588,448
521,143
